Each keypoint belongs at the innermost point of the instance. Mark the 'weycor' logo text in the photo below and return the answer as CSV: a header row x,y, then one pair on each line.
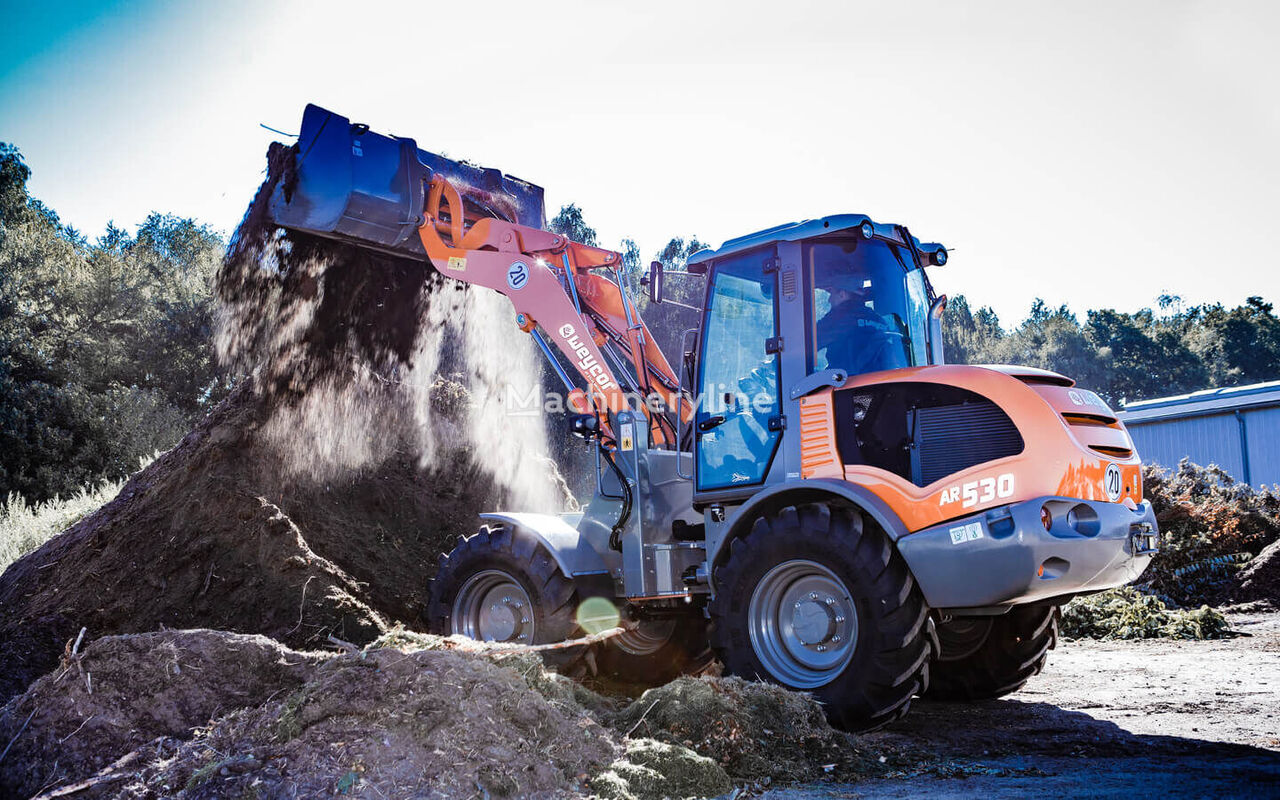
x,y
586,362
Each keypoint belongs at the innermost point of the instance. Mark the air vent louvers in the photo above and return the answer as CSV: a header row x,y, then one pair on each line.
x,y
949,439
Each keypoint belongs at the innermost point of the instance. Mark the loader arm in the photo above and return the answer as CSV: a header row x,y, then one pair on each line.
x,y
569,290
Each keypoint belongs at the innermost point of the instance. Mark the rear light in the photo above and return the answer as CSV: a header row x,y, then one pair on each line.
x,y
1046,518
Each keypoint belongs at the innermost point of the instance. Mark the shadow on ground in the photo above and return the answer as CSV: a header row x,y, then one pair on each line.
x,y
1011,748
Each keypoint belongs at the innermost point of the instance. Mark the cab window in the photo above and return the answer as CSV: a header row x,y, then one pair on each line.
x,y
866,316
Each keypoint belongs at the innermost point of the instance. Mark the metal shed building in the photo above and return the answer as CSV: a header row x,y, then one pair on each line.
x,y
1237,428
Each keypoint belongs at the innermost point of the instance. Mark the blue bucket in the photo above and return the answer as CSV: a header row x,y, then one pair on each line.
x,y
370,190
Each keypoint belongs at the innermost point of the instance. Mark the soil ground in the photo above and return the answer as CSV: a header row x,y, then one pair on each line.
x,y
1150,718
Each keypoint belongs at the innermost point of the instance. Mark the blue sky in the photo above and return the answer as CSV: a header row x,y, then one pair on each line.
x,y
1096,154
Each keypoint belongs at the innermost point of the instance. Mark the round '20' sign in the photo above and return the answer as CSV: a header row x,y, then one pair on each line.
x,y
1113,483
517,275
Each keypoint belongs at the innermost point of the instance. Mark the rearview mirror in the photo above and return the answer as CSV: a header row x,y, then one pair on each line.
x,y
936,355
655,282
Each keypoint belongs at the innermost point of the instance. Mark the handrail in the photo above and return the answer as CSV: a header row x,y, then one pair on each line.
x,y
684,337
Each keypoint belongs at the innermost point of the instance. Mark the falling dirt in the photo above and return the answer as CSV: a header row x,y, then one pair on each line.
x,y
348,343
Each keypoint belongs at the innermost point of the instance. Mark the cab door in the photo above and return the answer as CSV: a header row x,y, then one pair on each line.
x,y
737,427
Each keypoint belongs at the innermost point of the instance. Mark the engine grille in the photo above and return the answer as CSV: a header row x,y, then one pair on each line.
x,y
948,439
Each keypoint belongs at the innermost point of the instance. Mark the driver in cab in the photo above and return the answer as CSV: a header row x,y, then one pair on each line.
x,y
851,335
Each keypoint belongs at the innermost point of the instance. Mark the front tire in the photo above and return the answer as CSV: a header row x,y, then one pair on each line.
x,y
499,586
816,598
983,658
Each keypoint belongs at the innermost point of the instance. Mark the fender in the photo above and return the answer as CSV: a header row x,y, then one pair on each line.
x,y
572,552
806,491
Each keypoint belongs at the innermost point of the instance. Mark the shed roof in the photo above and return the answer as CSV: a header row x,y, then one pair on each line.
x,y
1206,401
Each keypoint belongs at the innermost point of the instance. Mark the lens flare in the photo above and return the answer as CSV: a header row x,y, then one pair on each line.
x,y
597,614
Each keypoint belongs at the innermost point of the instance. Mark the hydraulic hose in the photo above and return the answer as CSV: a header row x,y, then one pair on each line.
x,y
615,535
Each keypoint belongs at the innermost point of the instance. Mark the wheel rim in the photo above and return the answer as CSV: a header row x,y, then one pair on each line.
x,y
492,606
647,638
962,637
803,624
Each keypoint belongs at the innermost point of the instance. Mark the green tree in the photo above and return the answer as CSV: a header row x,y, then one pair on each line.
x,y
682,294
1237,346
968,337
569,222
1052,339
1142,358
105,349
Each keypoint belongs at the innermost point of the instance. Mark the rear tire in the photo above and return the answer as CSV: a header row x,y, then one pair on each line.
x,y
658,651
816,598
499,586
1015,647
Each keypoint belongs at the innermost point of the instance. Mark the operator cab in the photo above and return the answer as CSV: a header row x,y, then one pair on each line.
x,y
801,305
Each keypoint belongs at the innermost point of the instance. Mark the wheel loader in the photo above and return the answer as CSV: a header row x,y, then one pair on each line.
x,y
810,493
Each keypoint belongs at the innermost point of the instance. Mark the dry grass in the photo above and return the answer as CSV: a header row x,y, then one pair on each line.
x,y
23,527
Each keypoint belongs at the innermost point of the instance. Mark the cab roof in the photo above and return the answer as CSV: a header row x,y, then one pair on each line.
x,y
808,229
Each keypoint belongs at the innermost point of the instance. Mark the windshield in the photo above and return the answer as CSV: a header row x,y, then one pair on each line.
x,y
870,307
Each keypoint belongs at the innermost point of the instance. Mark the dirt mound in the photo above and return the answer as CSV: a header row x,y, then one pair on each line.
x,y
214,534
241,716
1126,613
125,691
1260,578
1210,526
753,730
431,723
317,497
208,714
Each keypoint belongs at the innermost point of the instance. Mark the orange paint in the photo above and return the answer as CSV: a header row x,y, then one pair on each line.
x,y
1057,459
819,457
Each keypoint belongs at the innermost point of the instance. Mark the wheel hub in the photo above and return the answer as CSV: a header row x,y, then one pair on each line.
x,y
492,606
804,624
813,622
505,618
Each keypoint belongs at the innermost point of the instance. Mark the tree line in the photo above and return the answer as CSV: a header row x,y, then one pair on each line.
x,y
1172,349
106,351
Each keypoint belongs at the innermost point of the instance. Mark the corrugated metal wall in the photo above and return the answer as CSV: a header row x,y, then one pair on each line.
x,y
1263,425
1215,439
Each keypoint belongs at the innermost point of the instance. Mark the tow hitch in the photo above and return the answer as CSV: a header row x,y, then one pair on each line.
x,y
1145,540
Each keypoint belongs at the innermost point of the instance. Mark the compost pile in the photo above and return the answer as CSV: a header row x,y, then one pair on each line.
x,y
209,714
364,435
1219,548
1218,538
